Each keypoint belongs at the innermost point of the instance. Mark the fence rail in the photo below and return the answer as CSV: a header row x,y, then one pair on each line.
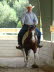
x,y
9,30
9,33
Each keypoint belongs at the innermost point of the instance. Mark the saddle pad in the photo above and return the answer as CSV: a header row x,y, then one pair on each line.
x,y
24,37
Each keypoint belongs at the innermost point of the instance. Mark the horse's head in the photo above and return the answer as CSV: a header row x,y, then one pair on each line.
x,y
32,33
31,28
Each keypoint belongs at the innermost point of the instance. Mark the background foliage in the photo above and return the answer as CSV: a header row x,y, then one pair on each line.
x,y
11,12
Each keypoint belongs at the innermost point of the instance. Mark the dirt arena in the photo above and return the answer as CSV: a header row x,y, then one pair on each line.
x,y
23,69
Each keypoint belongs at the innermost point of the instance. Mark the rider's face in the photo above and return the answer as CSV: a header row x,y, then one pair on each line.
x,y
29,9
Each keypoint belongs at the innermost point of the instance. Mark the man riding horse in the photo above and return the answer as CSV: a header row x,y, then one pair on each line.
x,y
29,19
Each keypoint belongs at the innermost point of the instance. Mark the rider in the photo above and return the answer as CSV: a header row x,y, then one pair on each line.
x,y
29,19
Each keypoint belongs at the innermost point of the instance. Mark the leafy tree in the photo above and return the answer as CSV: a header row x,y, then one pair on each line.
x,y
7,16
11,12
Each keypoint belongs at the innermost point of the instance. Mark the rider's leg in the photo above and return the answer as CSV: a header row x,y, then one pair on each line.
x,y
38,36
21,33
20,36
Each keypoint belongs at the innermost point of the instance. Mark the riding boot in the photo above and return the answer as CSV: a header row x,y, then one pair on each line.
x,y
18,47
19,43
40,46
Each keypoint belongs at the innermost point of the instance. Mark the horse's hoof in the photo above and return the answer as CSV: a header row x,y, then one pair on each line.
x,y
35,66
26,66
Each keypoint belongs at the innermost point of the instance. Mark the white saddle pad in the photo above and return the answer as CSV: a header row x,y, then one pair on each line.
x,y
24,37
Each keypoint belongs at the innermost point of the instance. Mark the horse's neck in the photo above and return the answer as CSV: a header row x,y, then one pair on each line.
x,y
33,35
29,35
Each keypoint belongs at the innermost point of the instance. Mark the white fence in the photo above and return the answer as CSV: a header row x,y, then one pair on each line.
x,y
8,42
9,33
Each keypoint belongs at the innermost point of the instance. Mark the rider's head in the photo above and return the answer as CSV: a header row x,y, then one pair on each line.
x,y
29,7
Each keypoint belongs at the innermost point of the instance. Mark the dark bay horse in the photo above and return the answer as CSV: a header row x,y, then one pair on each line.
x,y
29,41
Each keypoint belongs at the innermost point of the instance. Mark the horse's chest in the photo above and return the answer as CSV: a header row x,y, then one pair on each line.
x,y
29,43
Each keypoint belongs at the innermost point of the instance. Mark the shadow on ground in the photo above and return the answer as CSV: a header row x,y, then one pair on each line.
x,y
24,69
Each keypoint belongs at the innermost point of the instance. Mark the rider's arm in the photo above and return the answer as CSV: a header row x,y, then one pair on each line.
x,y
35,20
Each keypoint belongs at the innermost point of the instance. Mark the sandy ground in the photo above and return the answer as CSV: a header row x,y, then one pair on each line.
x,y
24,69
21,70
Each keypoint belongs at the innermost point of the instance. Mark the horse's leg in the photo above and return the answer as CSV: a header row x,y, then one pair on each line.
x,y
24,54
35,65
34,58
25,57
26,62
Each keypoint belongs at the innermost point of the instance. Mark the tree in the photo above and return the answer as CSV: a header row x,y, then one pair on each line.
x,y
11,12
7,15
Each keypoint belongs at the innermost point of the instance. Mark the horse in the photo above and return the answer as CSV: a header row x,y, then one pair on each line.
x,y
29,41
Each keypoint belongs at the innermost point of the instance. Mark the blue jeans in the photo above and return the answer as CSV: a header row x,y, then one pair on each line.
x,y
23,31
38,35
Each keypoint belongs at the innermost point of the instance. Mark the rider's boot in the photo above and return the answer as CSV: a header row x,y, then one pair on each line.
x,y
19,47
40,46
